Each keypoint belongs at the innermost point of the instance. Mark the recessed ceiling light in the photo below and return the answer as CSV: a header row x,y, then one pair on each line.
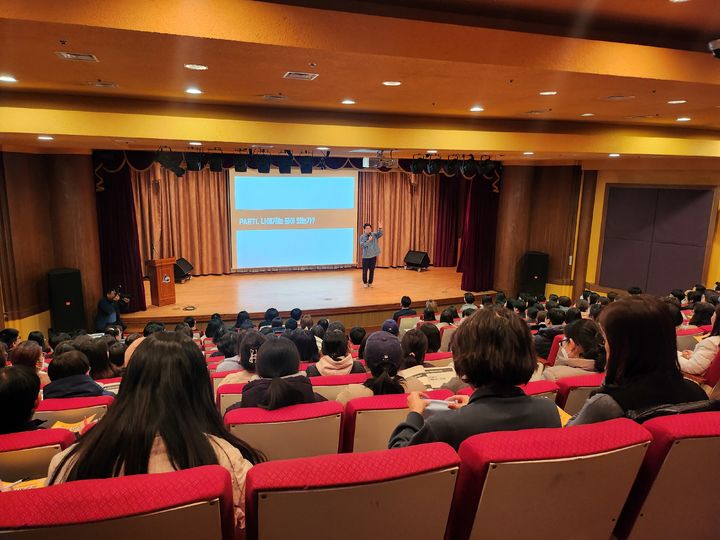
x,y
619,98
193,90
587,114
548,93
678,1
677,101
613,155
195,143
528,153
538,111
432,151
392,83
196,67
476,108
45,138
683,119
348,102
323,148
7,78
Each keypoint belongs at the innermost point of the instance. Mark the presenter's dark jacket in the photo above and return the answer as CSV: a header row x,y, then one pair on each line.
x,y
489,409
108,313
254,392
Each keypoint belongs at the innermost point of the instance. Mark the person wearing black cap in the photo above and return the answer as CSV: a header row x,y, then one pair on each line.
x,y
391,327
383,356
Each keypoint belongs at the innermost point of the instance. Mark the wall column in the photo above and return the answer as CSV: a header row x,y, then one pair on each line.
x,y
582,249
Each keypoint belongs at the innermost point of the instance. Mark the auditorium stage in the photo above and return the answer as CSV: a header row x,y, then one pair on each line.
x,y
336,294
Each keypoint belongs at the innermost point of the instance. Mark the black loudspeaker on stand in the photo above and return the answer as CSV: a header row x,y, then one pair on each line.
x,y
182,270
534,273
417,260
65,294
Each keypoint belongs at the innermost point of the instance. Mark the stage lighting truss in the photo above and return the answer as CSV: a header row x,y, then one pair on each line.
x,y
419,164
170,160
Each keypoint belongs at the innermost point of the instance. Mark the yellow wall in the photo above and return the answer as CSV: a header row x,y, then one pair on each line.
x,y
39,321
651,177
560,290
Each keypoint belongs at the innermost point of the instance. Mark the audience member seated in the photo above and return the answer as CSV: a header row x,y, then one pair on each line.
x,y
357,334
163,420
3,355
336,358
432,306
192,323
19,397
152,327
697,361
290,325
305,343
428,315
487,300
642,365
270,314
113,331
243,321
544,338
96,351
432,333
634,291
247,352
117,355
296,314
531,318
277,326
414,346
564,302
612,296
469,302
69,378
280,383
391,327
693,297
227,346
583,306
582,351
319,332
39,338
10,337
55,339
493,353
384,356
306,322
572,314
405,302
679,294
595,310
183,328
29,354
335,325
446,318
702,315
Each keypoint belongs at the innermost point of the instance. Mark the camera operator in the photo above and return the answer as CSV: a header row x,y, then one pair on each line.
x,y
109,308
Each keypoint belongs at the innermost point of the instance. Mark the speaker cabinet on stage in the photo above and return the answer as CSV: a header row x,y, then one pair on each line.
x,y
182,270
534,272
417,260
65,293
162,284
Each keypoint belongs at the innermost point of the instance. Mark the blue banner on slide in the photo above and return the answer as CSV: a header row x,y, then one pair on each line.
x,y
294,192
298,247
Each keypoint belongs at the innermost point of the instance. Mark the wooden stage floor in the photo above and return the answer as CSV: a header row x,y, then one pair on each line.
x,y
320,293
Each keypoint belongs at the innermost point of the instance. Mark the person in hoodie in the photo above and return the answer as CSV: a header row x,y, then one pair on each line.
x,y
69,378
336,358
280,383
544,338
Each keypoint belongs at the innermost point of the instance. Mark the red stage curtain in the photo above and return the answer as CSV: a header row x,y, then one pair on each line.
x,y
446,240
477,260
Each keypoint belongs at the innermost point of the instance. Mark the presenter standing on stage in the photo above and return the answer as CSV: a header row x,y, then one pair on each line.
x,y
370,252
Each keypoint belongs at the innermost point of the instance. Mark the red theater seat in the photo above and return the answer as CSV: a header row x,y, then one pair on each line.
x,y
28,454
547,389
330,386
676,493
388,495
72,410
574,391
508,479
194,503
111,385
217,378
554,350
227,395
369,421
310,429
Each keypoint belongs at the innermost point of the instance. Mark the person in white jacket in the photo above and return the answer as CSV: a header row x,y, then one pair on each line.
x,y
697,361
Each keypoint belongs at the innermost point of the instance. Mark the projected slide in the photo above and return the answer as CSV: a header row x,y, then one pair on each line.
x,y
292,221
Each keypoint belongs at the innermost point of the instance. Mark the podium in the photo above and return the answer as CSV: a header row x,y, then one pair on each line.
x,y
162,281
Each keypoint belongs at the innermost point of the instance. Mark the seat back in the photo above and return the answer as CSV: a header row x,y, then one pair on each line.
x,y
554,349
712,375
446,334
546,389
407,322
369,421
353,496
111,385
330,386
71,410
675,495
310,429
227,395
217,378
588,470
439,359
574,391
194,503
28,454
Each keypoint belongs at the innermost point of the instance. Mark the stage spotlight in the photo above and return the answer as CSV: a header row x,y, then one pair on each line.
x,y
285,163
418,165
434,166
194,161
168,159
179,171
452,165
262,161
306,163
240,162
487,166
469,167
215,162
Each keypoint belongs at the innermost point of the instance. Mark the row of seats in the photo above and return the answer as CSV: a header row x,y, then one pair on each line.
x,y
652,481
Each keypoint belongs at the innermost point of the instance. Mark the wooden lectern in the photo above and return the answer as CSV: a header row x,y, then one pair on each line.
x,y
162,281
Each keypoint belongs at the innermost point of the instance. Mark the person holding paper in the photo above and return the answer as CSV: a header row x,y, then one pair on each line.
x,y
370,252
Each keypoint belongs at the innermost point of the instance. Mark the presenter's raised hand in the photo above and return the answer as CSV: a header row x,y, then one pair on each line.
x,y
380,224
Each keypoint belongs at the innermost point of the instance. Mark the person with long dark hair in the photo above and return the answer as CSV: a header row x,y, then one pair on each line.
x,y
642,365
432,333
336,358
247,351
96,351
305,343
582,351
163,419
243,321
414,346
280,383
697,361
